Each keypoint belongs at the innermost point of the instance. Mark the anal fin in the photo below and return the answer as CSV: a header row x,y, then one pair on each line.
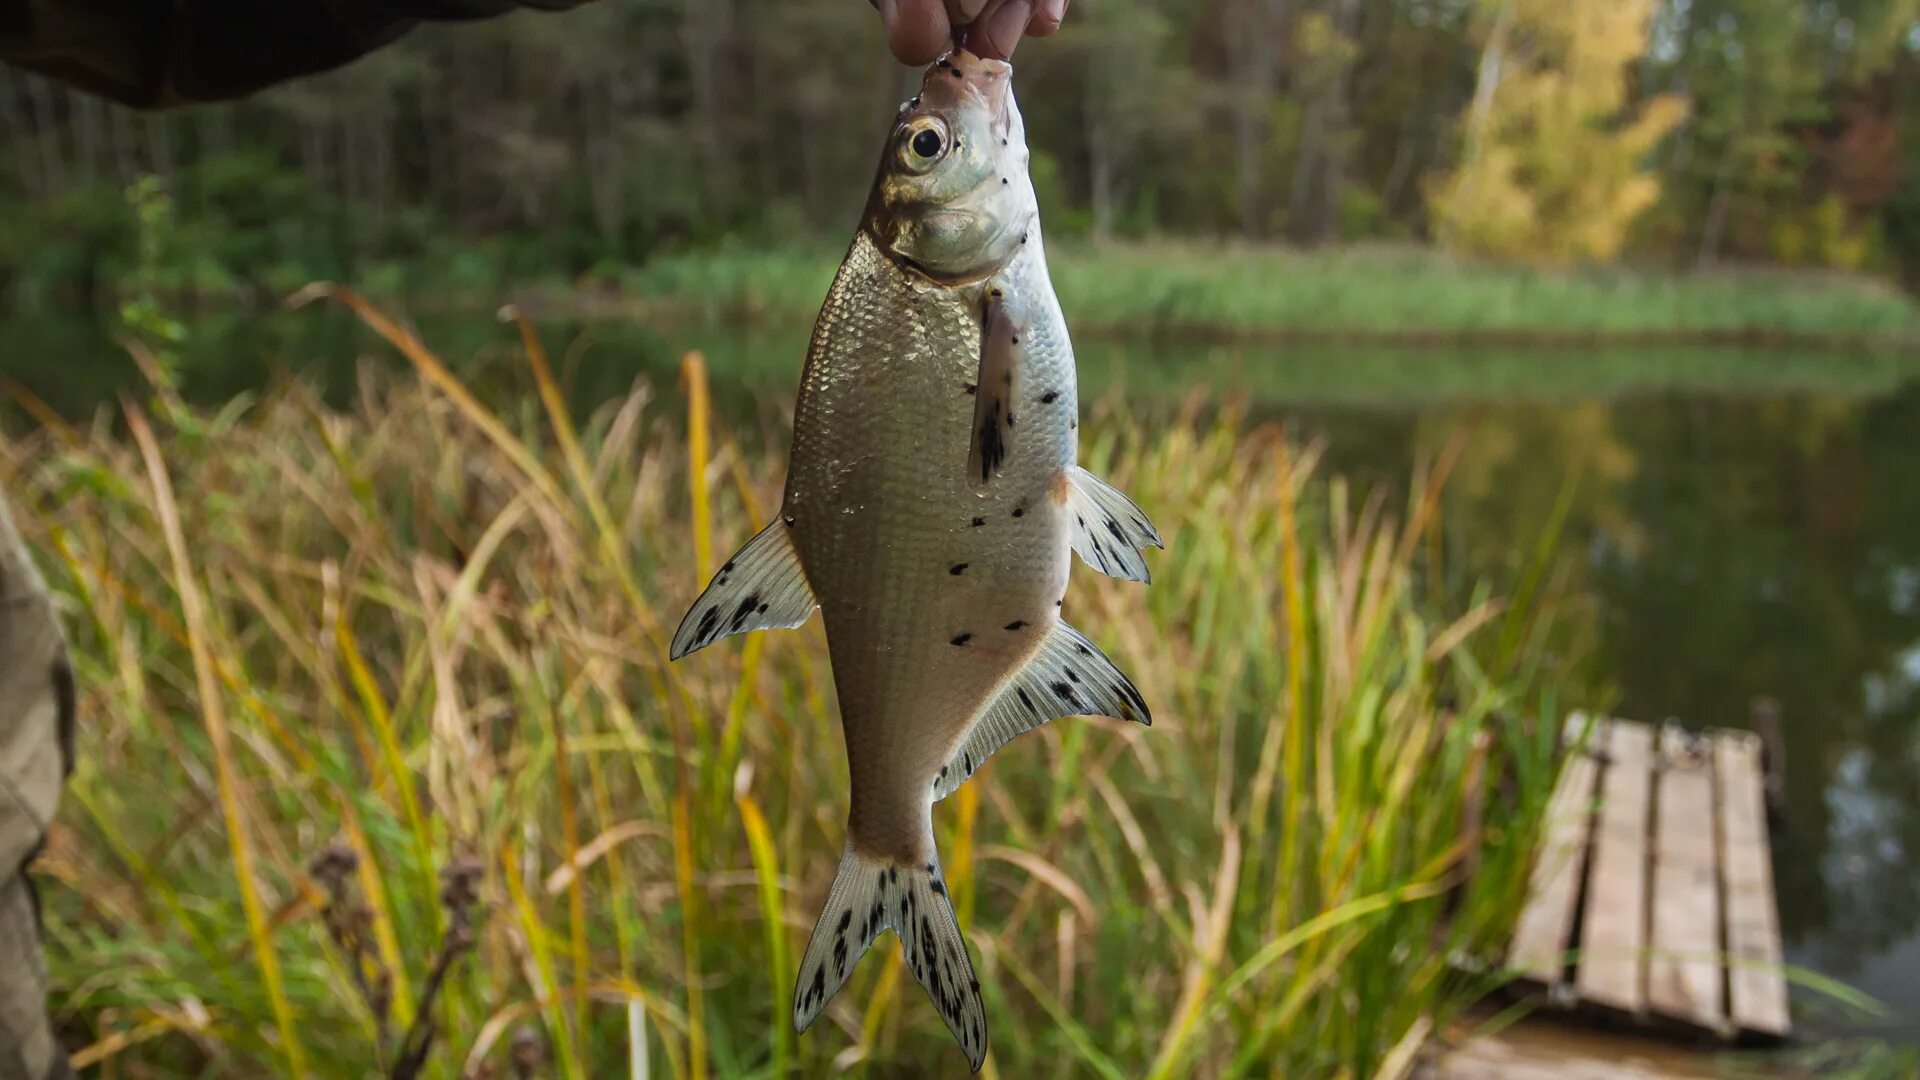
x,y
994,391
1069,676
1109,530
761,588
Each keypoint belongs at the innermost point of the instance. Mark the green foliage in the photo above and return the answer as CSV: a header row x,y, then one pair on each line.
x,y
443,645
1228,290
467,159
142,313
1363,216
1821,235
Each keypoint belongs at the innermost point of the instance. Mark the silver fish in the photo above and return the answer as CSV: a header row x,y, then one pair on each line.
x,y
931,504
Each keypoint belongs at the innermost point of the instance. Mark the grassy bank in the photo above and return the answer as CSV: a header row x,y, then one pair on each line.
x,y
378,693
1364,293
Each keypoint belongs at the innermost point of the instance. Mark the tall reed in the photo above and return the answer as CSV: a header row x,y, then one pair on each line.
x,y
428,630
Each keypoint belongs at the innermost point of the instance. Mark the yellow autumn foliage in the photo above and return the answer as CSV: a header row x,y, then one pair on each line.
x,y
1822,234
1553,163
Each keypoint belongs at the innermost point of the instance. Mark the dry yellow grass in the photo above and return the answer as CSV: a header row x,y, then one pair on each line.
x,y
428,629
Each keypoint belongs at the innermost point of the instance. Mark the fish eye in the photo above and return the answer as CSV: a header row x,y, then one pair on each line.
x,y
923,144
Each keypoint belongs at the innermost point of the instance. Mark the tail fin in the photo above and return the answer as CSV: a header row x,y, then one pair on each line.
x,y
871,895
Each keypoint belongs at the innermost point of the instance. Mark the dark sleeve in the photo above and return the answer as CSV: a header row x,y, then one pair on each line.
x,y
160,53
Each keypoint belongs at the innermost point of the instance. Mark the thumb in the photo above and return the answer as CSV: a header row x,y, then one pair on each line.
x,y
917,30
997,32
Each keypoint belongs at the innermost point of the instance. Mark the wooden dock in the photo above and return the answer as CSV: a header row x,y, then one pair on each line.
x,y
1652,899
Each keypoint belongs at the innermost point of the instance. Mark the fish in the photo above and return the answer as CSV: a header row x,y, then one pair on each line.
x,y
932,507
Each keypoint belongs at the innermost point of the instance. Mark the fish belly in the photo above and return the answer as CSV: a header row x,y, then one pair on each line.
x,y
935,588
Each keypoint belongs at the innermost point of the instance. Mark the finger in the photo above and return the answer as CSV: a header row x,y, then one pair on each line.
x,y
998,32
962,12
1047,16
917,30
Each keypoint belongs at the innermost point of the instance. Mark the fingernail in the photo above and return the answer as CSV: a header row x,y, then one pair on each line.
x,y
1005,26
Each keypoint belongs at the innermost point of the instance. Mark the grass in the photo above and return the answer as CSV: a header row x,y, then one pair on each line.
x,y
380,739
1368,292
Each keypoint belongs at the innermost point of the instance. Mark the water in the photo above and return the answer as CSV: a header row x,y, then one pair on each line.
x,y
1746,526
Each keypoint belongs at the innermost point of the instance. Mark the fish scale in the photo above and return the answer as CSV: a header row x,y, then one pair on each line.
x,y
931,512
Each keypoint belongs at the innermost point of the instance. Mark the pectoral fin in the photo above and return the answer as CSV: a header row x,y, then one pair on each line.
x,y
993,416
761,588
1109,531
1069,676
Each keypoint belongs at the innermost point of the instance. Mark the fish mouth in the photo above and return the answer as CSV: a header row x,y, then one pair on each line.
x,y
960,79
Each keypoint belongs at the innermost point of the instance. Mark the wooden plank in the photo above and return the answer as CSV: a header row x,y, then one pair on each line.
x,y
1758,985
1539,1048
1613,932
1545,931
1684,966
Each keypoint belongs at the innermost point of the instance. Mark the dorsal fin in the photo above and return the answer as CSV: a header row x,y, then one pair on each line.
x,y
1069,676
761,588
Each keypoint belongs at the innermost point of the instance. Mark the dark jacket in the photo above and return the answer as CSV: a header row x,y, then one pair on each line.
x,y
161,53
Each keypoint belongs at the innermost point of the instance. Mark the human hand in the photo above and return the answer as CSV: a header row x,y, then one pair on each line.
x,y
920,31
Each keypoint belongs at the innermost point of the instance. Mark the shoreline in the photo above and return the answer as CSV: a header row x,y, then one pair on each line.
x,y
1185,291
667,313
1362,295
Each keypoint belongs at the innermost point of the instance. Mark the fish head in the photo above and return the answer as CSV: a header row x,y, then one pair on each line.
x,y
953,198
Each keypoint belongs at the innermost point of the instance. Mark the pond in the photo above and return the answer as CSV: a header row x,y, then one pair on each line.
x,y
1747,527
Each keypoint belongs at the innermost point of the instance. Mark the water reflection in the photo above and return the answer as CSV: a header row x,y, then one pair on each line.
x,y
1779,537
1745,525
1741,546
1737,544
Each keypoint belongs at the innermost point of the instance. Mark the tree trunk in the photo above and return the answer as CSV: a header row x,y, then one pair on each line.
x,y
313,153
1099,153
19,132
1393,192
1303,201
126,151
159,136
1250,54
87,115
604,157
1320,167
381,180
701,30
1486,83
213,138
1713,232
46,125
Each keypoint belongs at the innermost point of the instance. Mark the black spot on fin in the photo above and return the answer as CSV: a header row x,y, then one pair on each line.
x,y
913,902
760,588
1068,676
1109,531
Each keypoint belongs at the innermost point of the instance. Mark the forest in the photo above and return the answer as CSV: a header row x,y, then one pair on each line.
x,y
1675,134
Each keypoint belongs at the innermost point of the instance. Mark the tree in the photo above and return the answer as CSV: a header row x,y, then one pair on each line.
x,y
1554,160
1325,52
